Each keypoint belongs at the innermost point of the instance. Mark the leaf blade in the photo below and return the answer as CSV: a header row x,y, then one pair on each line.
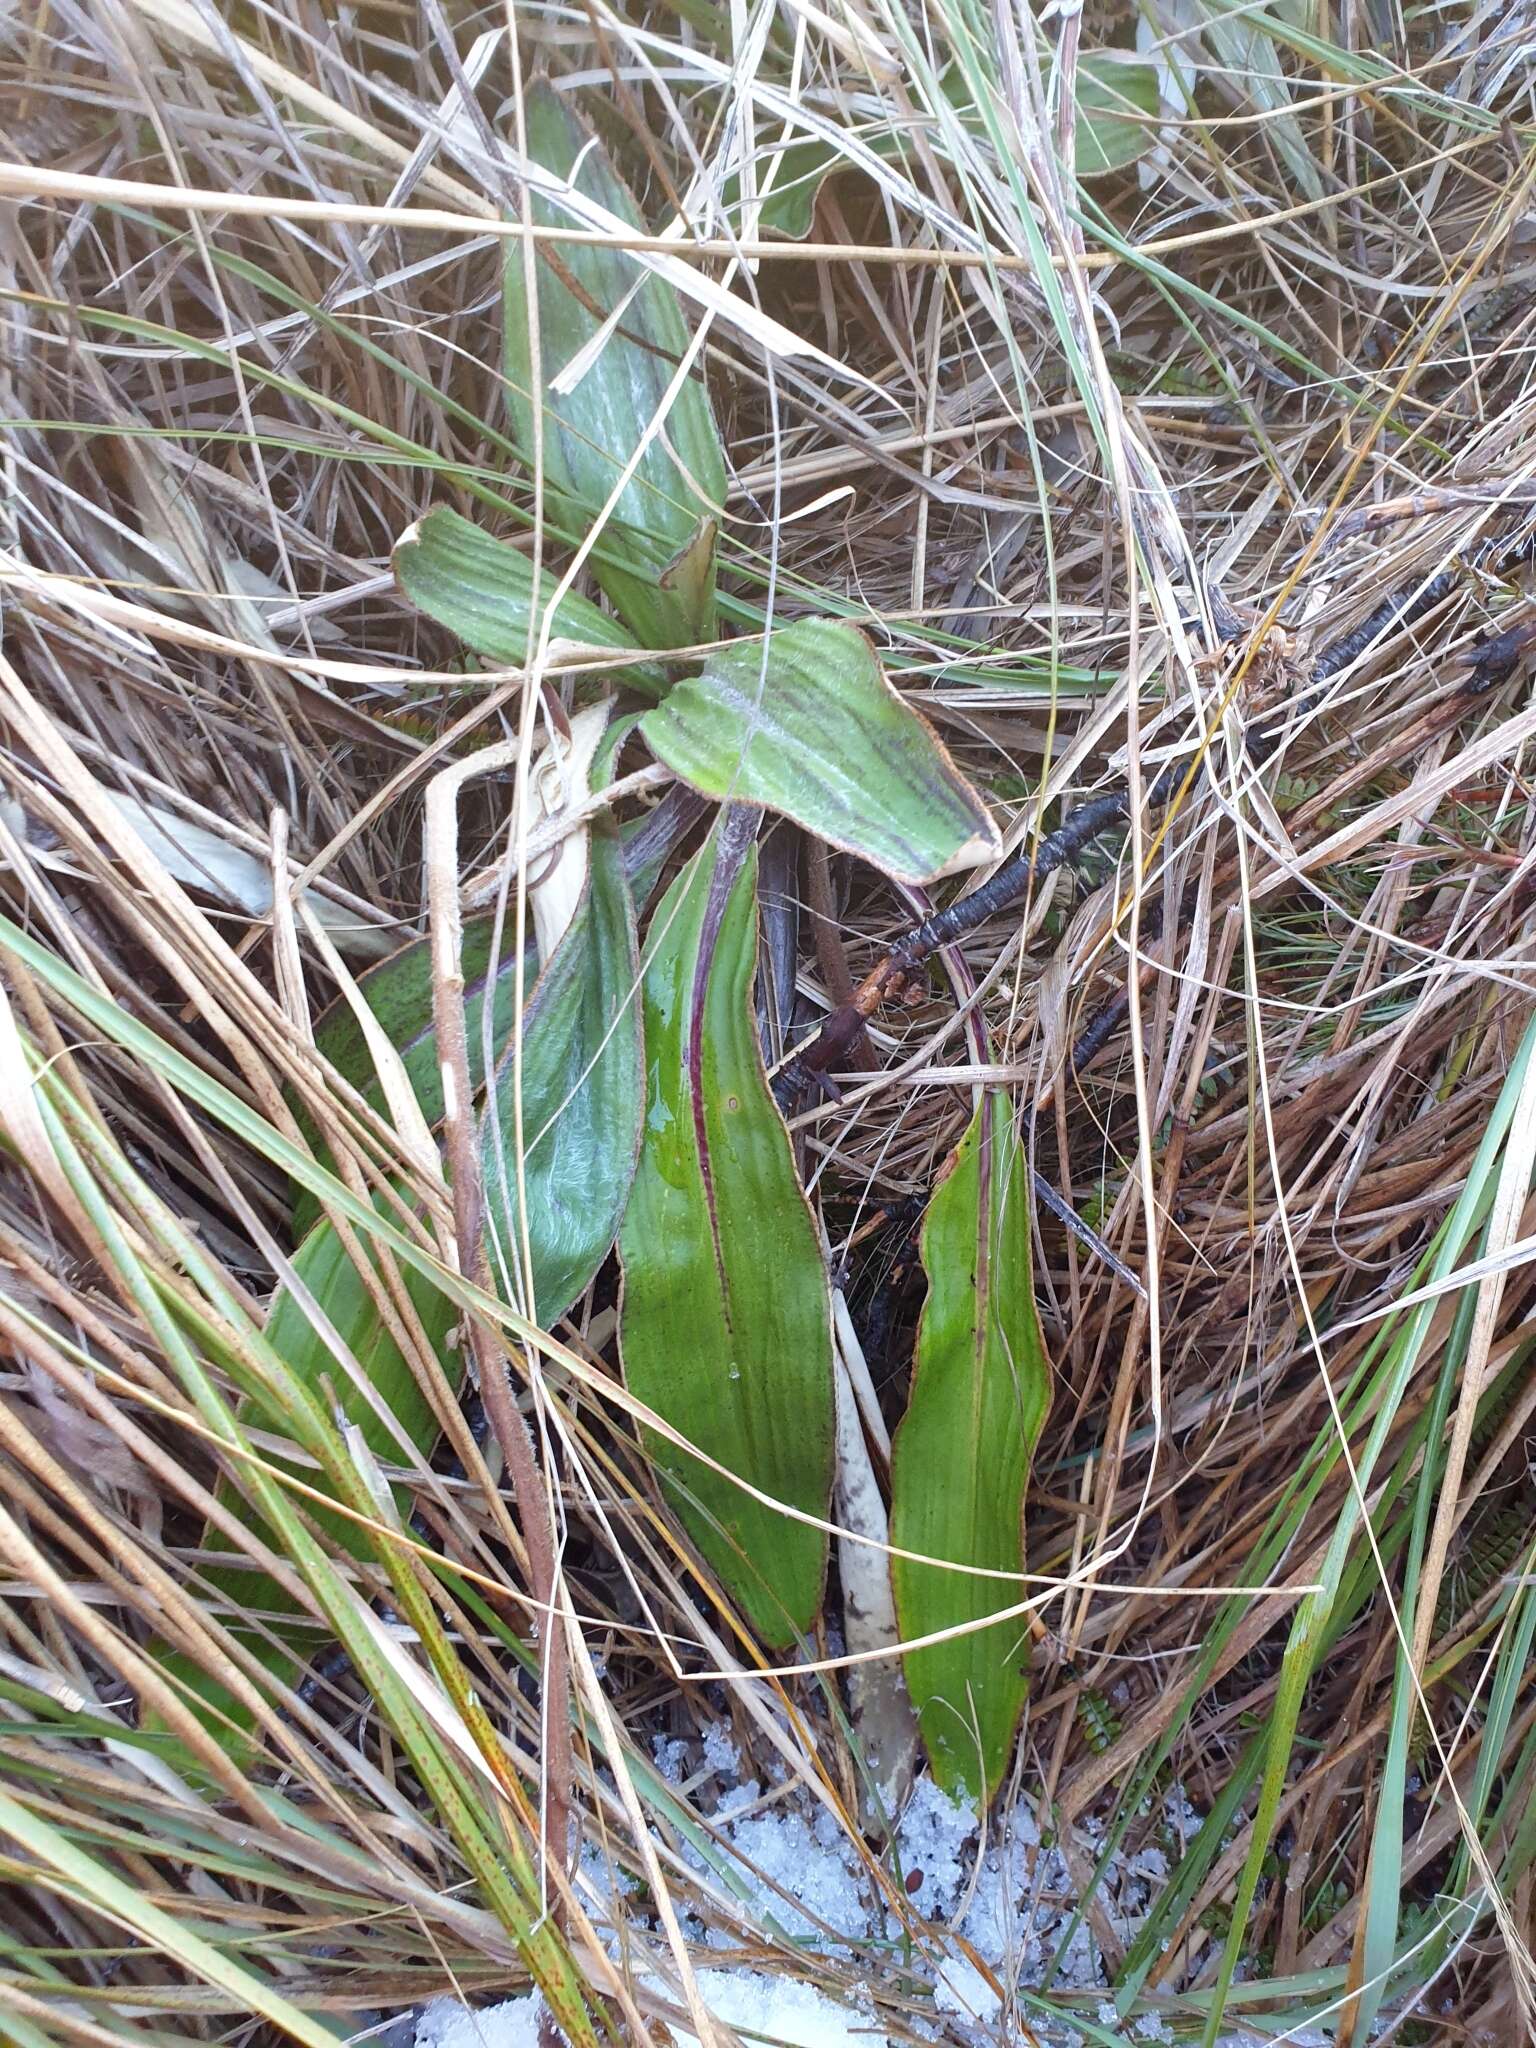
x,y
1118,98
960,1458
611,333
581,1080
399,993
725,1319
485,592
808,725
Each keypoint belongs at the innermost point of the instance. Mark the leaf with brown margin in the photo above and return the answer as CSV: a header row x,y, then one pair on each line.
x,y
725,1322
961,1456
807,725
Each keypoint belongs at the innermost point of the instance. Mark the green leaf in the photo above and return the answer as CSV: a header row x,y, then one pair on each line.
x,y
581,1080
1244,52
808,725
389,1404
399,993
483,591
961,1456
1117,110
1117,106
798,171
725,1323
790,175
592,429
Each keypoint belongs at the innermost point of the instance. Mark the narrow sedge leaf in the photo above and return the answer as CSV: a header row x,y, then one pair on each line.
x,y
807,725
610,337
166,1935
960,1460
499,1852
484,591
725,1323
388,1404
581,1082
1397,1346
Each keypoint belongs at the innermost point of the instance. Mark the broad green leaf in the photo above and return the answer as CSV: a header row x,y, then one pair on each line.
x,y
610,337
391,1408
808,725
581,1086
399,990
399,993
1117,109
725,1322
961,1456
798,171
483,590
388,1404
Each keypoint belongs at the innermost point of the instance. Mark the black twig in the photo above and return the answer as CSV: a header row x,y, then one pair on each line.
x,y
1017,878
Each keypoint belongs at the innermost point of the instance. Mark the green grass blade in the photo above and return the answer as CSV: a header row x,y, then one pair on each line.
x,y
105,1891
1310,1630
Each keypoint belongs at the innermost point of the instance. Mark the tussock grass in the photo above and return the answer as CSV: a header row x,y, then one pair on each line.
x,y
1047,435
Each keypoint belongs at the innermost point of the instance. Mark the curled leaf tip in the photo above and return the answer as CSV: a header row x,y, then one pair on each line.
x,y
976,853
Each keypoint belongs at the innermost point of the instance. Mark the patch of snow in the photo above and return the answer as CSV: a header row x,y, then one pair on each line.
x,y
447,2024
671,1758
814,1863
931,1840
779,2008
961,1988
720,1753
784,2010
1008,1895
